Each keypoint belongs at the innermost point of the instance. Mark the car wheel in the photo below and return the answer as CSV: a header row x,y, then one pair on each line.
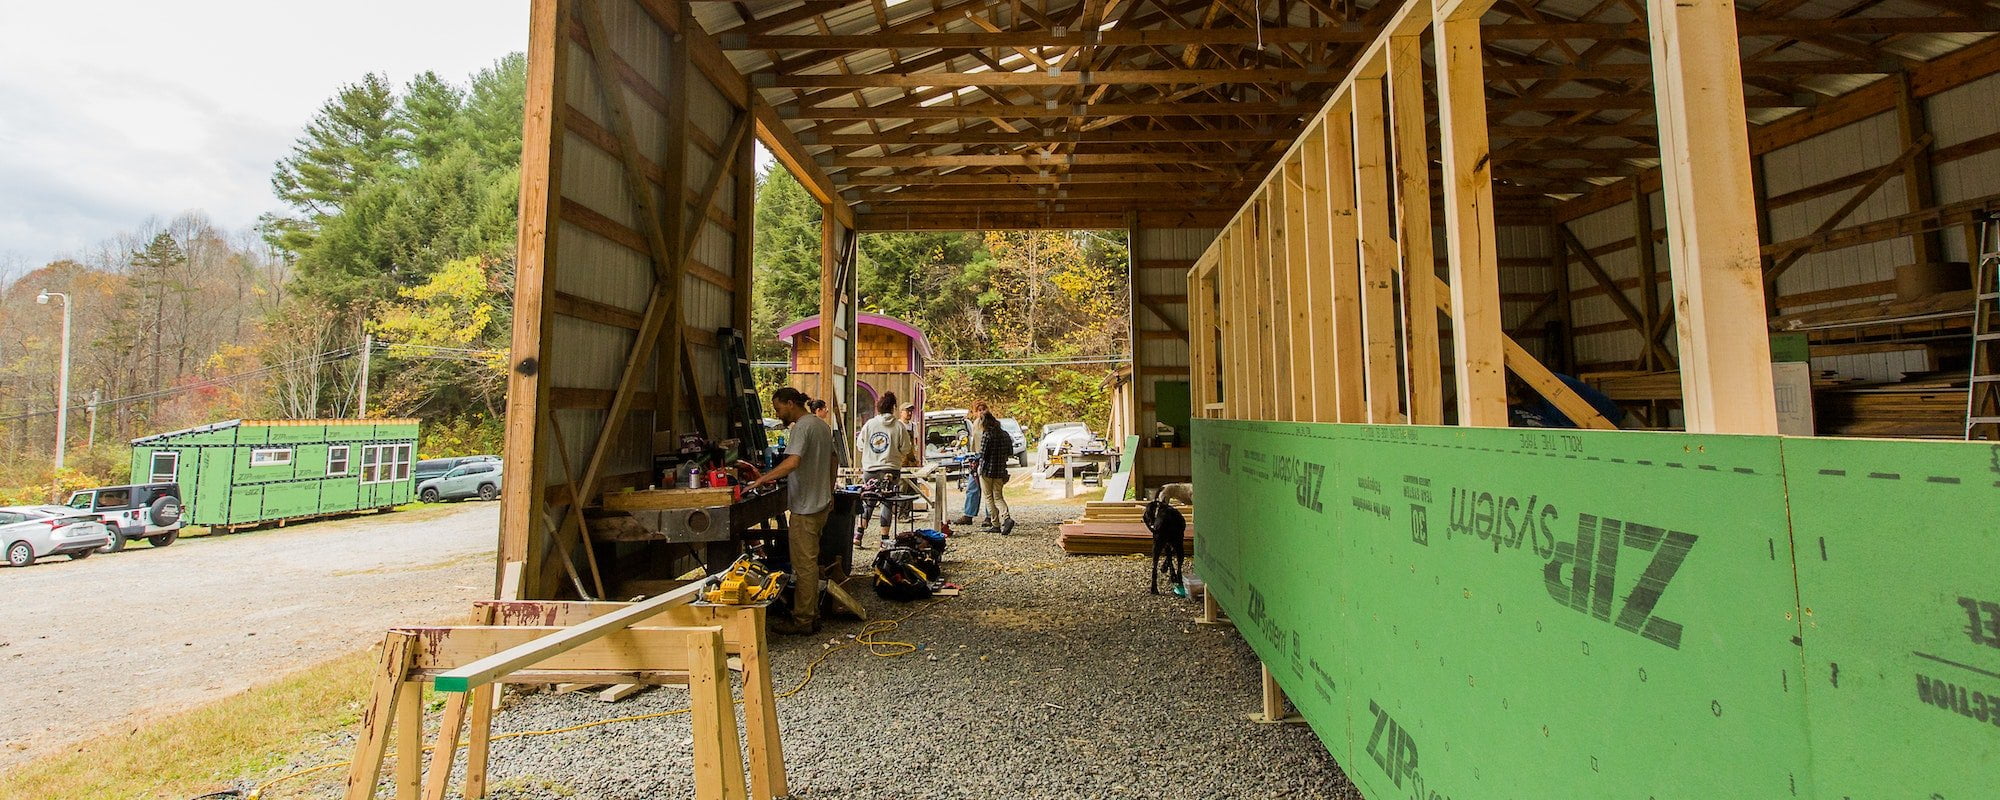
x,y
429,495
20,554
488,491
117,543
1021,459
164,539
80,555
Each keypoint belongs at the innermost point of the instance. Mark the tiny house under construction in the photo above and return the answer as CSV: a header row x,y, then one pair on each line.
x,y
245,472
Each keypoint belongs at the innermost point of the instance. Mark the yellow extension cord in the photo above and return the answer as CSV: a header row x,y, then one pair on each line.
x,y
869,637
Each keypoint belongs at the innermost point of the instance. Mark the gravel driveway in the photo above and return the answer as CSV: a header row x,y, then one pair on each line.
x,y
89,643
1040,682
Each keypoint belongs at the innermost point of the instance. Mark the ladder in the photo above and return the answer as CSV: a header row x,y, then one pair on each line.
x,y
746,418
1982,396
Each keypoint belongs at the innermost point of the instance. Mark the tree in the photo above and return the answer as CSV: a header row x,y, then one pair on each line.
x,y
786,261
351,142
429,117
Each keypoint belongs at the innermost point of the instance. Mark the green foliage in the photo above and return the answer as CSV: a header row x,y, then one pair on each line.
x,y
466,435
786,260
463,307
353,141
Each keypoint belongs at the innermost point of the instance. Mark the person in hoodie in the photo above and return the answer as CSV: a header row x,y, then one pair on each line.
x,y
885,446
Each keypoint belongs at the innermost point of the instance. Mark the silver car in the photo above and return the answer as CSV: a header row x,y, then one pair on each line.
x,y
32,532
479,479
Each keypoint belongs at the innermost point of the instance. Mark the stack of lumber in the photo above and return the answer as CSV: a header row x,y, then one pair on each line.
x,y
1920,406
1115,528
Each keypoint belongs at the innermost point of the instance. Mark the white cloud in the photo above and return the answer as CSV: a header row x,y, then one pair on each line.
x,y
116,110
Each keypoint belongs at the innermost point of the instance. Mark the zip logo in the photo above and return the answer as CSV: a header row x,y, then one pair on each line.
x,y
1391,746
1311,478
1590,565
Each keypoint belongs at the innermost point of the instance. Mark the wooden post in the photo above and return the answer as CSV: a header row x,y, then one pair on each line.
x,y
438,780
1261,372
535,250
1272,710
1277,291
1919,183
383,709
1725,348
1350,397
760,712
1649,289
478,740
1479,361
1319,292
1565,303
1299,279
1414,233
1378,253
409,739
718,764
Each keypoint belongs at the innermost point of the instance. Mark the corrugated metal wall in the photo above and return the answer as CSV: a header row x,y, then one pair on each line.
x,y
597,276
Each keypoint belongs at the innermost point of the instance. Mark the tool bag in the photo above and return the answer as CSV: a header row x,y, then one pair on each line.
x,y
904,574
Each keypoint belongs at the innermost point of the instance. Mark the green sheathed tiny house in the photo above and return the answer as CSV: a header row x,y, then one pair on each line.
x,y
244,472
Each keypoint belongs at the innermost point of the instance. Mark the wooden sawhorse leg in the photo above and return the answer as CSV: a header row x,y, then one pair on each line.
x,y
1274,711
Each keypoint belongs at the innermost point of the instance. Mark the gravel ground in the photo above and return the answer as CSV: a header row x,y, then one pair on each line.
x,y
1039,682
119,637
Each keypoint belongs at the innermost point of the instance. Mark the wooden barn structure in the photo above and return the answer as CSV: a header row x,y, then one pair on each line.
x,y
890,356
1378,212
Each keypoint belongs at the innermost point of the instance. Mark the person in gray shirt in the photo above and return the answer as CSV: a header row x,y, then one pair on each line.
x,y
808,470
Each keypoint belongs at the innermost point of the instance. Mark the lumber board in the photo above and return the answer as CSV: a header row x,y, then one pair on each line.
x,y
537,651
667,499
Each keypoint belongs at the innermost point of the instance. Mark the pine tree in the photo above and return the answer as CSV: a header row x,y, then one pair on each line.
x,y
430,117
353,141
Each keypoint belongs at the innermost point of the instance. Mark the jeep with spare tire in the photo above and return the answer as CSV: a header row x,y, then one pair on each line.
x,y
145,511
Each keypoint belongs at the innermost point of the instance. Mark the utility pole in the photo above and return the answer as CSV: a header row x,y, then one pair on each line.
x,y
62,388
95,395
367,348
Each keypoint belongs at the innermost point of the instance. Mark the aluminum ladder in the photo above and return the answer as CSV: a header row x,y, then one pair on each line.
x,y
1982,396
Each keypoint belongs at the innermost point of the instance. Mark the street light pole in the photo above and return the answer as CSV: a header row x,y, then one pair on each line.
x,y
62,388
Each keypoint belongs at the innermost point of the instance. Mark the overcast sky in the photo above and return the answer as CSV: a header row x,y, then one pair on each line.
x,y
112,111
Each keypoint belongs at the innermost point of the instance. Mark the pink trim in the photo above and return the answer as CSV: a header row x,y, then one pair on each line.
x,y
923,345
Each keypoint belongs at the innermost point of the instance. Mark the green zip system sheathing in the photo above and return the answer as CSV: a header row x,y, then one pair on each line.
x,y
1473,613
220,486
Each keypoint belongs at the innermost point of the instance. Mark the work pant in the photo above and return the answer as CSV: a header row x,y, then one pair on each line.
x,y
890,481
971,494
995,490
804,539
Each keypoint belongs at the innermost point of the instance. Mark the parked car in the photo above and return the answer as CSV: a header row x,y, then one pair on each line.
x,y
1013,428
946,435
433,467
150,511
32,532
479,479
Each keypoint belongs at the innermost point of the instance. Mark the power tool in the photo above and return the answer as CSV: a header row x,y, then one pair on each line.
x,y
746,582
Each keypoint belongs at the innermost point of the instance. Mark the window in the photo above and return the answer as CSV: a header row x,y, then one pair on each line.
x,y
271,457
166,466
82,500
384,463
336,460
9,517
113,499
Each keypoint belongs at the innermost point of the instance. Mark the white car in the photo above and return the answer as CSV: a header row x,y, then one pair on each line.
x,y
32,532
1062,437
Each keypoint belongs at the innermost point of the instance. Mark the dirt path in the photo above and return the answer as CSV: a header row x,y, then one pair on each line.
x,y
89,645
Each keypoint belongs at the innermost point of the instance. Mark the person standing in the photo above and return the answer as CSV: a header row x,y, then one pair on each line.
x,y
972,475
808,470
885,448
995,447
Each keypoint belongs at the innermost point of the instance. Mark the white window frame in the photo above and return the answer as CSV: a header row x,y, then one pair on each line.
x,y
271,457
385,463
346,460
172,475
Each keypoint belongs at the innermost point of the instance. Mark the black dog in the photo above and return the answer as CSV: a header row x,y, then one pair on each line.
x,y
1169,529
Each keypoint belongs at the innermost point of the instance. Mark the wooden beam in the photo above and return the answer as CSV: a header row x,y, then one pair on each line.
x,y
1538,376
1034,160
1300,269
1351,400
1919,185
1468,212
1711,218
1378,251
1117,37
521,503
1319,244
1278,295
1045,177
1008,111
1040,135
483,671
1414,240
1045,77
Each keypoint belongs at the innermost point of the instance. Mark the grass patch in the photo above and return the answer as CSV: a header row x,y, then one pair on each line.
x,y
250,736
